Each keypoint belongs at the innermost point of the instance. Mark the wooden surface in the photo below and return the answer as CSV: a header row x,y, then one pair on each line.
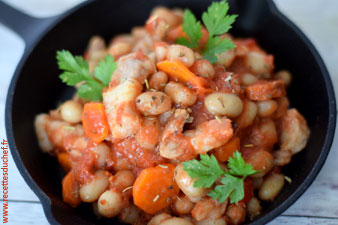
x,y
317,18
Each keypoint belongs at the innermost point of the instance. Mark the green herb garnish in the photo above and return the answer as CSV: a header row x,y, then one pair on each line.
x,y
207,171
76,72
217,21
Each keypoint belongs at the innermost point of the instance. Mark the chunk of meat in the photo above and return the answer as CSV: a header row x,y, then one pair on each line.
x,y
123,118
228,82
294,133
135,65
148,135
174,145
210,134
265,90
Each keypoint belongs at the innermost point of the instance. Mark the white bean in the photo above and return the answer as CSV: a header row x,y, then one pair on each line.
x,y
119,48
91,191
158,80
40,129
203,68
223,104
208,209
123,179
248,79
248,115
265,133
110,204
271,187
153,103
253,208
180,94
256,62
186,184
71,111
181,53
284,75
176,221
261,161
159,219
101,151
183,205
236,214
266,108
226,58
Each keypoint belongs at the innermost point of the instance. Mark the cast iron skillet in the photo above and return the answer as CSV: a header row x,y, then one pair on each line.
x,y
36,88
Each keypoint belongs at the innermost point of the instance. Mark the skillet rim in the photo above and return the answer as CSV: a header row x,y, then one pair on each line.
x,y
46,201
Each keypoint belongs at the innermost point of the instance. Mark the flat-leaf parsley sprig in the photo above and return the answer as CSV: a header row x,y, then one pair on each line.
x,y
217,21
207,171
76,72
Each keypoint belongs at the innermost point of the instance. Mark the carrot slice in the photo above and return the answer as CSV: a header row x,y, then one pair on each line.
x,y
155,188
226,151
177,70
95,122
70,190
64,161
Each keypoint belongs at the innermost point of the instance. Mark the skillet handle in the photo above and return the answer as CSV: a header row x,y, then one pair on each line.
x,y
28,27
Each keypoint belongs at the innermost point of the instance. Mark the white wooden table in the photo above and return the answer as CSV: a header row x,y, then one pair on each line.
x,y
317,18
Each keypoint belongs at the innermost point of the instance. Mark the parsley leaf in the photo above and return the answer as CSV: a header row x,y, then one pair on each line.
x,y
238,167
216,19
105,69
216,46
232,186
193,30
207,170
76,69
76,72
90,90
217,22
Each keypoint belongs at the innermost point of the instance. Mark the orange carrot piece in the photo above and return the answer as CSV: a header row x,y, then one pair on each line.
x,y
226,151
64,161
95,122
155,188
179,71
70,190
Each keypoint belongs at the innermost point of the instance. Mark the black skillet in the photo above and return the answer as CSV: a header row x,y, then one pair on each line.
x,y
36,88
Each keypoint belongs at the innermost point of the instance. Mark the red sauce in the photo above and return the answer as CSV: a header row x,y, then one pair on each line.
x,y
137,156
